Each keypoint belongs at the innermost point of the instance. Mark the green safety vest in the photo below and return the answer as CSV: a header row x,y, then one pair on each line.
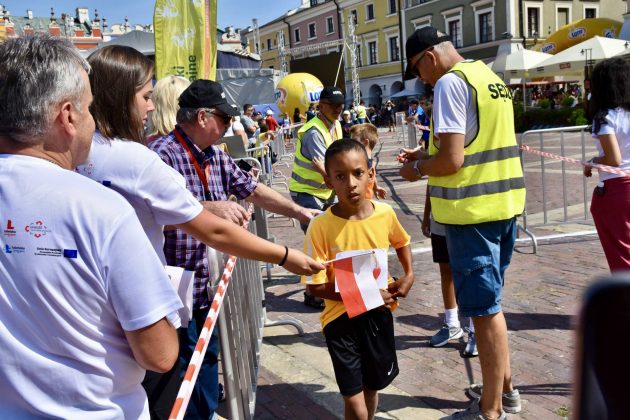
x,y
490,185
304,178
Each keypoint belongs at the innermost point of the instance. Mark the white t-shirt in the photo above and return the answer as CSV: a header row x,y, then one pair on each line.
x,y
618,123
156,191
453,109
76,271
236,125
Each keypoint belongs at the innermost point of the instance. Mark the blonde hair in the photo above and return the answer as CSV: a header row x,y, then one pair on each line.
x,y
165,98
367,132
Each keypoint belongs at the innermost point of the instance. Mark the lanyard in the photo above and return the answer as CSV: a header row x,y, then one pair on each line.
x,y
201,174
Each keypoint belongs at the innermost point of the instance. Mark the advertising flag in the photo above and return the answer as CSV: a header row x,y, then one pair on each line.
x,y
358,277
185,38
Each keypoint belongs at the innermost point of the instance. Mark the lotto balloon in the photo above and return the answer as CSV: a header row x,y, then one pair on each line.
x,y
297,90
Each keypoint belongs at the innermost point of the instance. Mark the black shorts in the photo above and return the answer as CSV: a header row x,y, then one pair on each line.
x,y
362,350
440,250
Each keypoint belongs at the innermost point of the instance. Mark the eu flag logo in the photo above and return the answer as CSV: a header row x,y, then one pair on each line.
x,y
70,253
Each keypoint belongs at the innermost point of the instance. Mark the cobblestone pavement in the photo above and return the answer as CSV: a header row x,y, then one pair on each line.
x,y
541,298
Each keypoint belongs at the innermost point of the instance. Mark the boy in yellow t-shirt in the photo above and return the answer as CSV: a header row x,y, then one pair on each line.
x,y
361,348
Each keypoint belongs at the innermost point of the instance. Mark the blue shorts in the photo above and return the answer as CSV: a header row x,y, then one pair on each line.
x,y
479,255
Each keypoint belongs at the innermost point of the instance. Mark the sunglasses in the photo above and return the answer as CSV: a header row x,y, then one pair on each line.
x,y
414,70
225,118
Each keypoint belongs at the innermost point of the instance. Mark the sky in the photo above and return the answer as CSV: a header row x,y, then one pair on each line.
x,y
237,13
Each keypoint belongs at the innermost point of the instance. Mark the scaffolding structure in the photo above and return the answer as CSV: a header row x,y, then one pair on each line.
x,y
348,44
256,36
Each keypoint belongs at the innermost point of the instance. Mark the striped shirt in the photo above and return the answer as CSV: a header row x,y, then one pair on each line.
x,y
224,178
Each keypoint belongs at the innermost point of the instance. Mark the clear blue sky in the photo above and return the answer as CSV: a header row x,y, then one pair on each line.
x,y
238,13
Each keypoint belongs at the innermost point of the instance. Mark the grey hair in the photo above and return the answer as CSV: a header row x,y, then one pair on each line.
x,y
36,74
443,47
188,115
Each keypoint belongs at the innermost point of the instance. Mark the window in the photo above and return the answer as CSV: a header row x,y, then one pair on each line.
x,y
296,35
269,44
353,13
485,27
394,51
313,3
454,32
590,12
330,26
533,22
369,12
562,17
372,52
359,59
311,30
392,7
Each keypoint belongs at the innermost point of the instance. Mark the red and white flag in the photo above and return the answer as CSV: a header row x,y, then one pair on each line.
x,y
358,277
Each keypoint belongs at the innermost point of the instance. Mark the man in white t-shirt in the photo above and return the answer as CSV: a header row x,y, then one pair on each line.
x,y
477,189
85,303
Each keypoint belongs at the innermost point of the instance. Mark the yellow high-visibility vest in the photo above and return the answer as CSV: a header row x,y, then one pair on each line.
x,y
304,178
490,185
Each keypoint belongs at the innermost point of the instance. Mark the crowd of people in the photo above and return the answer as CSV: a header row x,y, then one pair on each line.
x,y
104,217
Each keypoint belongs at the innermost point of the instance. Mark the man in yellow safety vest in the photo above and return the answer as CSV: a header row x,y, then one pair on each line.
x,y
477,189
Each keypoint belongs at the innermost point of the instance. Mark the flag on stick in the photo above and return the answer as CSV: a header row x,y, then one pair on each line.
x,y
358,277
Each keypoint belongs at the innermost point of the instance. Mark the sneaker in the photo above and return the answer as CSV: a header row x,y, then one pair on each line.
x,y
474,413
445,335
471,346
511,400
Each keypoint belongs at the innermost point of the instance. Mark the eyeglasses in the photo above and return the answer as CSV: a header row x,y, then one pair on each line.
x,y
414,70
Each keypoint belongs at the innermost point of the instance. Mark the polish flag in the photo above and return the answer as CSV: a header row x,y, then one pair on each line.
x,y
359,277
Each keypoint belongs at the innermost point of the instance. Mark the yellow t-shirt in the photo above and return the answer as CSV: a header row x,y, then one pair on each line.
x,y
328,235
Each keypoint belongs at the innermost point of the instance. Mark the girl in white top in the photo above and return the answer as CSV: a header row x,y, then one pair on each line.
x,y
610,206
121,81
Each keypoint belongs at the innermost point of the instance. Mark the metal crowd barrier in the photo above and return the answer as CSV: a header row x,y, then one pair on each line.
x,y
241,324
543,207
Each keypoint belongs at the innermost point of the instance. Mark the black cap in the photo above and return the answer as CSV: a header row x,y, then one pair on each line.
x,y
206,94
419,41
332,94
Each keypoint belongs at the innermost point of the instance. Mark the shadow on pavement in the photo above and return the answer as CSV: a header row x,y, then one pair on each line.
x,y
515,321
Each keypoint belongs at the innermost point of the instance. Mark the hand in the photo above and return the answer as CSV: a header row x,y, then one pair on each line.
x,y
387,297
408,155
408,172
306,215
588,171
401,287
380,193
299,263
426,227
229,210
318,164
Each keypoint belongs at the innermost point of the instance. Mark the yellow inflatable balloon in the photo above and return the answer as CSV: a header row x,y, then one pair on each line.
x,y
297,90
579,31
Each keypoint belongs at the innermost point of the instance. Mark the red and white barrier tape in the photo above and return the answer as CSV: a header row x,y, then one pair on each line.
x,y
186,388
604,168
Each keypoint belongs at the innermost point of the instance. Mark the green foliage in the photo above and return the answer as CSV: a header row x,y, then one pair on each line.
x,y
544,103
578,117
567,102
546,118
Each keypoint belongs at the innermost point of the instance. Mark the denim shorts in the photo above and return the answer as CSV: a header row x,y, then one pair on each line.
x,y
479,255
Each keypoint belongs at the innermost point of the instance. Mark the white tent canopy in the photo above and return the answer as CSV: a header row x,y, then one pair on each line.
x,y
573,59
517,63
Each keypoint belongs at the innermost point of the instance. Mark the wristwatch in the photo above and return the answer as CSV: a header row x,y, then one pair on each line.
x,y
416,167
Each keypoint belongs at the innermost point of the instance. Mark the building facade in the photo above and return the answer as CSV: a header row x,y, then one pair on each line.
x,y
378,46
315,30
479,28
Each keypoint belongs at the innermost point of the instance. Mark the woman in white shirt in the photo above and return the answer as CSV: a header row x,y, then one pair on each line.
x,y
121,82
610,206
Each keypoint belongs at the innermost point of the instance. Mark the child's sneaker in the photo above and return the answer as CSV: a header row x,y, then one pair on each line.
x,y
511,400
445,334
313,301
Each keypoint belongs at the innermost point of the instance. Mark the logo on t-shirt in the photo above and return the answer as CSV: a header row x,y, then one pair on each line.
x,y
86,169
10,229
8,249
37,229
